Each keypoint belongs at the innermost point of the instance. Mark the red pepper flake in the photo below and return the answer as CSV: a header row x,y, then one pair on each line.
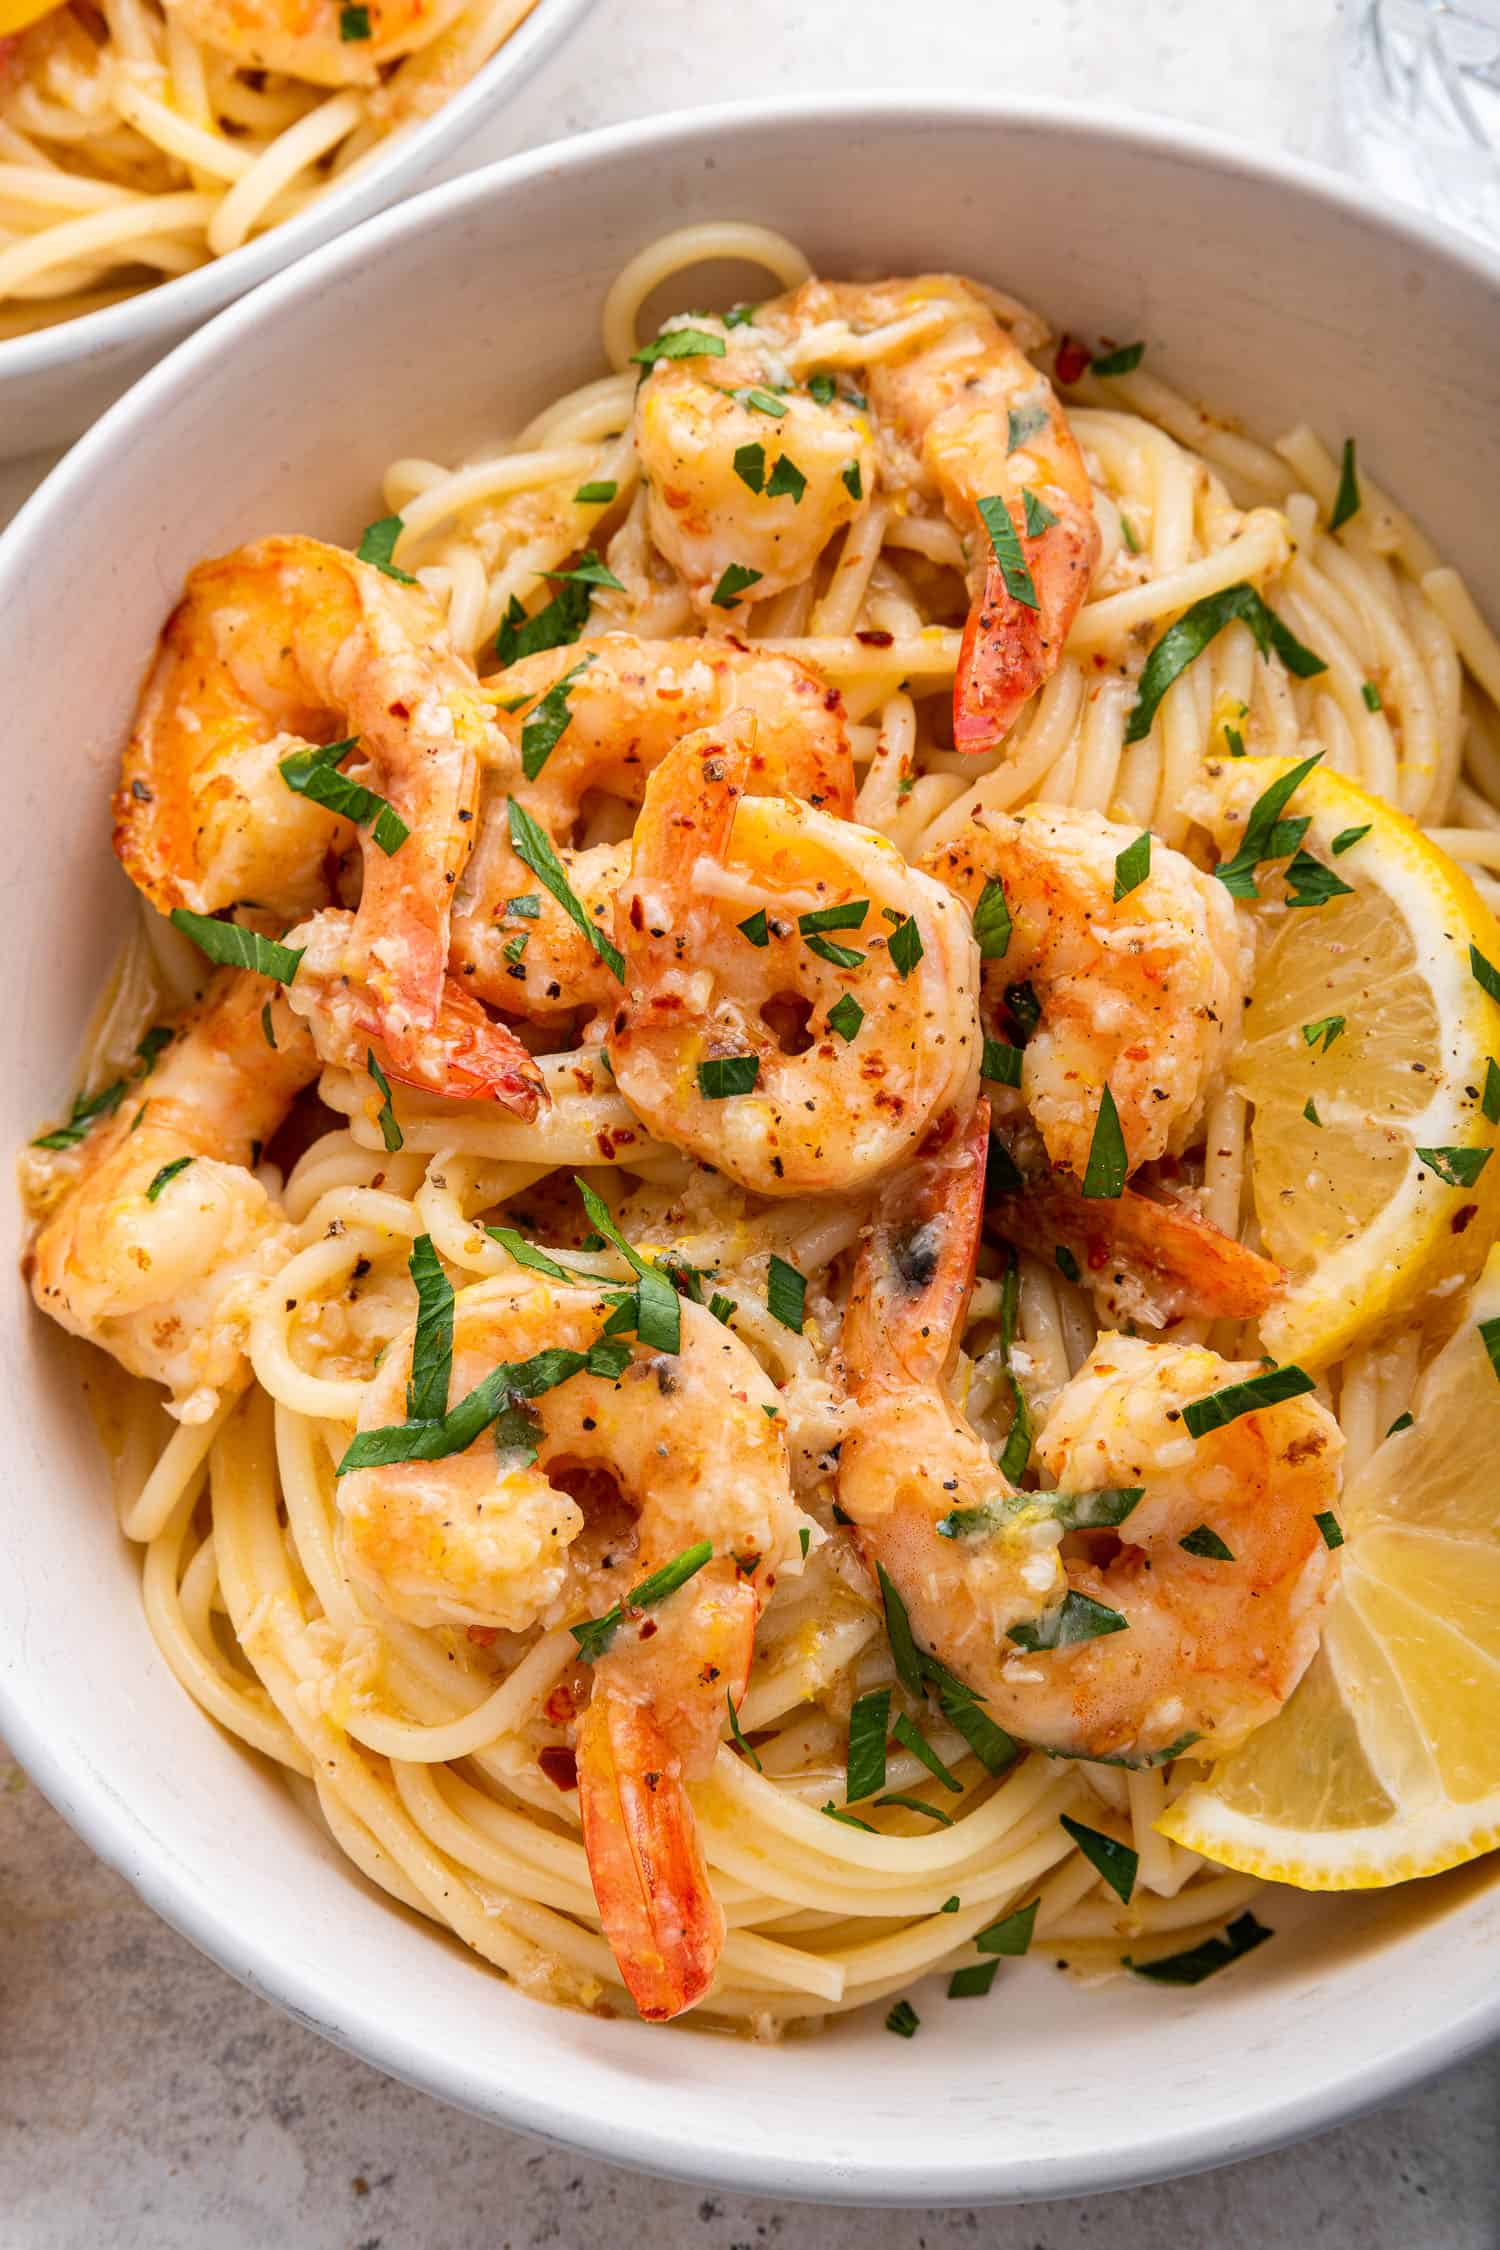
x,y
875,639
1072,360
560,1765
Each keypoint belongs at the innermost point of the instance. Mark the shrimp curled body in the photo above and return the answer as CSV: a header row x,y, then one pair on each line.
x,y
799,1003
166,1281
626,704
628,1474
1142,994
290,643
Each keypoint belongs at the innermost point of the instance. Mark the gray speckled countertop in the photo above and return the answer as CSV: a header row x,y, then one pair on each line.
x,y
147,2102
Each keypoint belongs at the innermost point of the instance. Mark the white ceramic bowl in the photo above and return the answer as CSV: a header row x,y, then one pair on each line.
x,y
56,381
1258,284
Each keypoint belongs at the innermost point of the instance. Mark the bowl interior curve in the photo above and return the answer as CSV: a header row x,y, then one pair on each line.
x,y
1257,289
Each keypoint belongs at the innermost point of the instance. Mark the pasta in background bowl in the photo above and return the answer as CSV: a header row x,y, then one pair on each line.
x,y
1154,2080
157,162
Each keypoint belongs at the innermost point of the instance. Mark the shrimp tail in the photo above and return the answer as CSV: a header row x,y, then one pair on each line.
x,y
1012,644
469,1057
917,1266
1184,1266
657,1908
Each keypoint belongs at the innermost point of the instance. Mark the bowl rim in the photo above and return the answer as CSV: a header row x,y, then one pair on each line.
x,y
166,308
646,2138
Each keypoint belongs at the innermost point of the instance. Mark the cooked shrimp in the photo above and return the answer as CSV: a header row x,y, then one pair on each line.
x,y
964,418
308,38
909,1461
627,703
1149,1259
159,1248
466,1055
1211,1645
280,645
680,1448
1203,1646
789,1058
748,478
1141,994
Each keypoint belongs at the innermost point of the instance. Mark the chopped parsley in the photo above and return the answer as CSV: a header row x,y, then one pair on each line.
x,y
852,481
1115,1861
236,948
1267,835
377,542
390,1131
1328,1523
1206,1543
786,481
1371,694
1125,361
548,721
1104,1175
845,1016
903,2020
1457,1167
1023,422
530,843
739,1740
755,927
1227,1405
432,1342
973,1981
505,1385
557,624
1313,884
905,946
869,1725
1067,1264
1010,1937
595,1633
680,343
314,774
658,1310
1243,1935
1039,516
87,1110
1347,837
1000,1063
1014,569
723,1076
750,466
1325,1030
992,922
597,494
1132,866
1490,1100
786,1294
167,1172
1190,636
1077,1618
920,1748
737,579
1347,499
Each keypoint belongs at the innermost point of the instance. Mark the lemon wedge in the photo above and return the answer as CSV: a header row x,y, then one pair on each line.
x,y
1385,1763
1366,1055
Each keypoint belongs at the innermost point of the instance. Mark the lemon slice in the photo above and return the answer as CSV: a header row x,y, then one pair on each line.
x,y
1385,1763
1367,1039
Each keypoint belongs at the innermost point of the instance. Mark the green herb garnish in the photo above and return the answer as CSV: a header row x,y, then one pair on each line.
x,y
723,1076
1009,555
737,579
167,1172
1227,1405
530,843
1346,501
377,542
390,1131
1116,1862
236,948
1132,866
869,1725
786,1294
1104,1175
1190,636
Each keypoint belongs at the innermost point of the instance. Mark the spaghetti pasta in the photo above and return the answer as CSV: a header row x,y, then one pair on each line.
x,y
141,138
444,1747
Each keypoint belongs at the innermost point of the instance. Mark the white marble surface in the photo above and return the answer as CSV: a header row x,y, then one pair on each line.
x,y
146,2101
